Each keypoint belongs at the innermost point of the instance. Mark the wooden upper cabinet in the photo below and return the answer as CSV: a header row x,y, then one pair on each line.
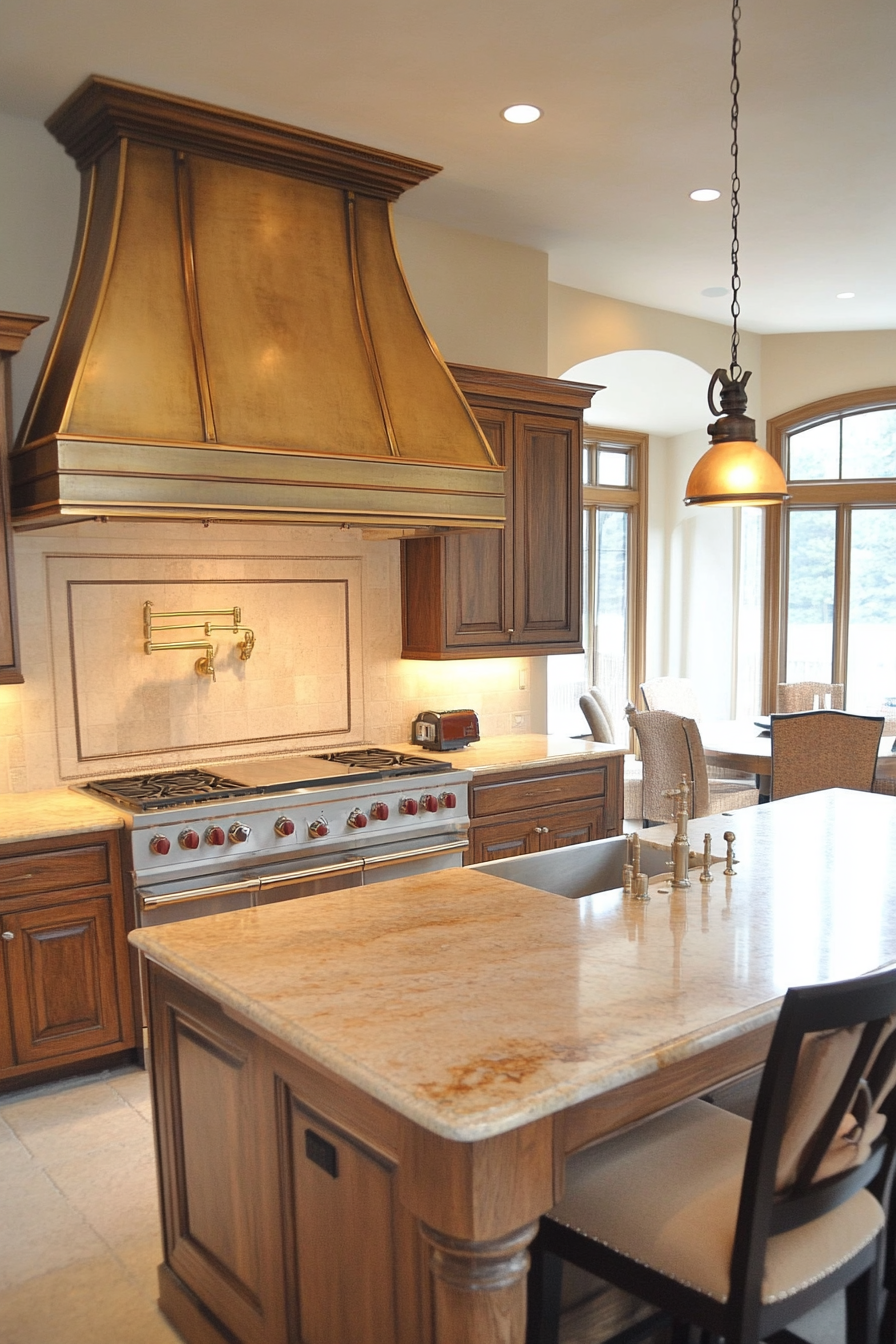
x,y
14,328
516,591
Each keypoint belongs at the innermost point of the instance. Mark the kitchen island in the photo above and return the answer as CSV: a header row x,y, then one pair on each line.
x,y
364,1099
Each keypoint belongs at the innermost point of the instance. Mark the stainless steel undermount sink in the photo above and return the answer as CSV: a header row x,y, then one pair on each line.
x,y
577,870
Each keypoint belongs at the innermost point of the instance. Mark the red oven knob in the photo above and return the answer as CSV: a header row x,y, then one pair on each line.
x,y
160,844
283,826
357,819
448,799
380,811
409,806
188,839
318,829
430,802
215,835
239,833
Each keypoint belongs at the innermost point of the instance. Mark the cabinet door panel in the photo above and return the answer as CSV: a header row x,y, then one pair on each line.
x,y
574,828
503,840
548,507
61,969
478,565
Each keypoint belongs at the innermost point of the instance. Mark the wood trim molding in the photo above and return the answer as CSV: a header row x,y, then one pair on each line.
x,y
525,388
835,494
102,111
15,328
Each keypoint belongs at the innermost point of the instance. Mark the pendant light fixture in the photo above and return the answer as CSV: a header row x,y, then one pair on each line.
x,y
735,470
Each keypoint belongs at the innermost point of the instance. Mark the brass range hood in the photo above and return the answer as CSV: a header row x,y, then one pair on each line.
x,y
238,340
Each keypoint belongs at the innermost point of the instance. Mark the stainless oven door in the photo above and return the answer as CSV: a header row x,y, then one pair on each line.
x,y
386,862
286,883
168,902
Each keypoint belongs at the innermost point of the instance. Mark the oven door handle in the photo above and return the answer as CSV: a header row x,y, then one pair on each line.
x,y
149,902
407,855
311,874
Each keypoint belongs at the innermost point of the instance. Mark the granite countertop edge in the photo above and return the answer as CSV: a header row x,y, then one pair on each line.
x,y
492,1120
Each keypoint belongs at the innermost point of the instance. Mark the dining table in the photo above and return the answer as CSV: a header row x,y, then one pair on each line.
x,y
746,744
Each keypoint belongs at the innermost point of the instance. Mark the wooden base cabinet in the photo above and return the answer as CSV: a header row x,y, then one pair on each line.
x,y
518,591
64,978
523,811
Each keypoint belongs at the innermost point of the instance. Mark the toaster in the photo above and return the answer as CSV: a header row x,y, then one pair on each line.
x,y
445,731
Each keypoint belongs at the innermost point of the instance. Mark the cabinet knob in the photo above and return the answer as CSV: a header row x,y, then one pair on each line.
x,y
510,631
7,935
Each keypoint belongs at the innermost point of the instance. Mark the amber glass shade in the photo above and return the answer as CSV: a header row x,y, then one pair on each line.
x,y
738,472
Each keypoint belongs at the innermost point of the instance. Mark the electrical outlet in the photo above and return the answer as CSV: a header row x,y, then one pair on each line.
x,y
518,720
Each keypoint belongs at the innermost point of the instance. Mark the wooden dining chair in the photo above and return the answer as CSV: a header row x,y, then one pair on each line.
x,y
823,749
739,1228
795,696
671,746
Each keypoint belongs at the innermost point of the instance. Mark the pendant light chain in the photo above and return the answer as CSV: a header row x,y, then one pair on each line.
x,y
735,370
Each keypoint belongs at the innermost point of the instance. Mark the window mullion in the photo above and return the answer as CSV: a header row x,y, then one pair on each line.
x,y
841,594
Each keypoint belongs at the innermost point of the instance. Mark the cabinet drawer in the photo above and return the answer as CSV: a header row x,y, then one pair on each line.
x,y
489,800
54,870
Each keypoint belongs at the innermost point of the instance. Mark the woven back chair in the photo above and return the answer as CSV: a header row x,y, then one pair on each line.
x,y
671,746
741,1228
824,749
675,694
795,696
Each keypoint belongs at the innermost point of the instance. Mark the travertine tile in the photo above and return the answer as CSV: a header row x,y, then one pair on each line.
x,y
72,1122
140,1258
39,1229
88,1303
113,1187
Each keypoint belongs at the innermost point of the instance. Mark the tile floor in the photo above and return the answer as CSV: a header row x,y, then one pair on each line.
x,y
79,1221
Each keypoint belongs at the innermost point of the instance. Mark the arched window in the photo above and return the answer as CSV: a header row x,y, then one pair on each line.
x,y
831,551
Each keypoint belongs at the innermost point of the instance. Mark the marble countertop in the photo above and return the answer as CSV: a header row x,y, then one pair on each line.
x,y
48,812
498,753
473,1005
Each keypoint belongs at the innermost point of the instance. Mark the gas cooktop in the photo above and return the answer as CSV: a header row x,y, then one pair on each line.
x,y
245,779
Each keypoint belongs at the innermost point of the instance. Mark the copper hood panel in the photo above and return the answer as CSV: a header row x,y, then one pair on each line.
x,y
238,339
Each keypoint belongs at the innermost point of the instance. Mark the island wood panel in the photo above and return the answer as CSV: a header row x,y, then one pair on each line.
x,y
426,1239
65,990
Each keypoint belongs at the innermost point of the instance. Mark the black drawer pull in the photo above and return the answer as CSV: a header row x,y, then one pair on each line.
x,y
320,1152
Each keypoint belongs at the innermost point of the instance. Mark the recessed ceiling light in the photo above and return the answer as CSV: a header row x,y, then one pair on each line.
x,y
521,113
847,294
715,292
705,194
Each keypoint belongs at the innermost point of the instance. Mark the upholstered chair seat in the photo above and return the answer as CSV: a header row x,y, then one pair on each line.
x,y
667,1194
671,746
599,717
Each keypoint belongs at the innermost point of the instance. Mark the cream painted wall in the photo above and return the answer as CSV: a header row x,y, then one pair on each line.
x,y
39,190
808,366
484,301
582,325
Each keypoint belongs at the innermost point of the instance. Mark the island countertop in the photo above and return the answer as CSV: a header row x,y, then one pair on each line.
x,y
472,1005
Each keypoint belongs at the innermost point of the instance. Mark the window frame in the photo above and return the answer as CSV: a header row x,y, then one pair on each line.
x,y
835,494
633,500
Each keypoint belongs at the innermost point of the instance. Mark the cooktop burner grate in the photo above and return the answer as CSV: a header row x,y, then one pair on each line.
x,y
377,758
146,792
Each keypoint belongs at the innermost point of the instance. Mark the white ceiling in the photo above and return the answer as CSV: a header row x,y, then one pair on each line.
x,y
650,390
635,94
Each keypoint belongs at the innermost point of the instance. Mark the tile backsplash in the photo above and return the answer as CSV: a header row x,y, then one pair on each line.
x,y
326,668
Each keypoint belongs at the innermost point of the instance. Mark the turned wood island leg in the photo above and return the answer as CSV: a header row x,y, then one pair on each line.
x,y
479,1287
478,1205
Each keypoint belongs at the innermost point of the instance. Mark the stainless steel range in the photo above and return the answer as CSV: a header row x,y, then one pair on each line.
x,y
242,833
